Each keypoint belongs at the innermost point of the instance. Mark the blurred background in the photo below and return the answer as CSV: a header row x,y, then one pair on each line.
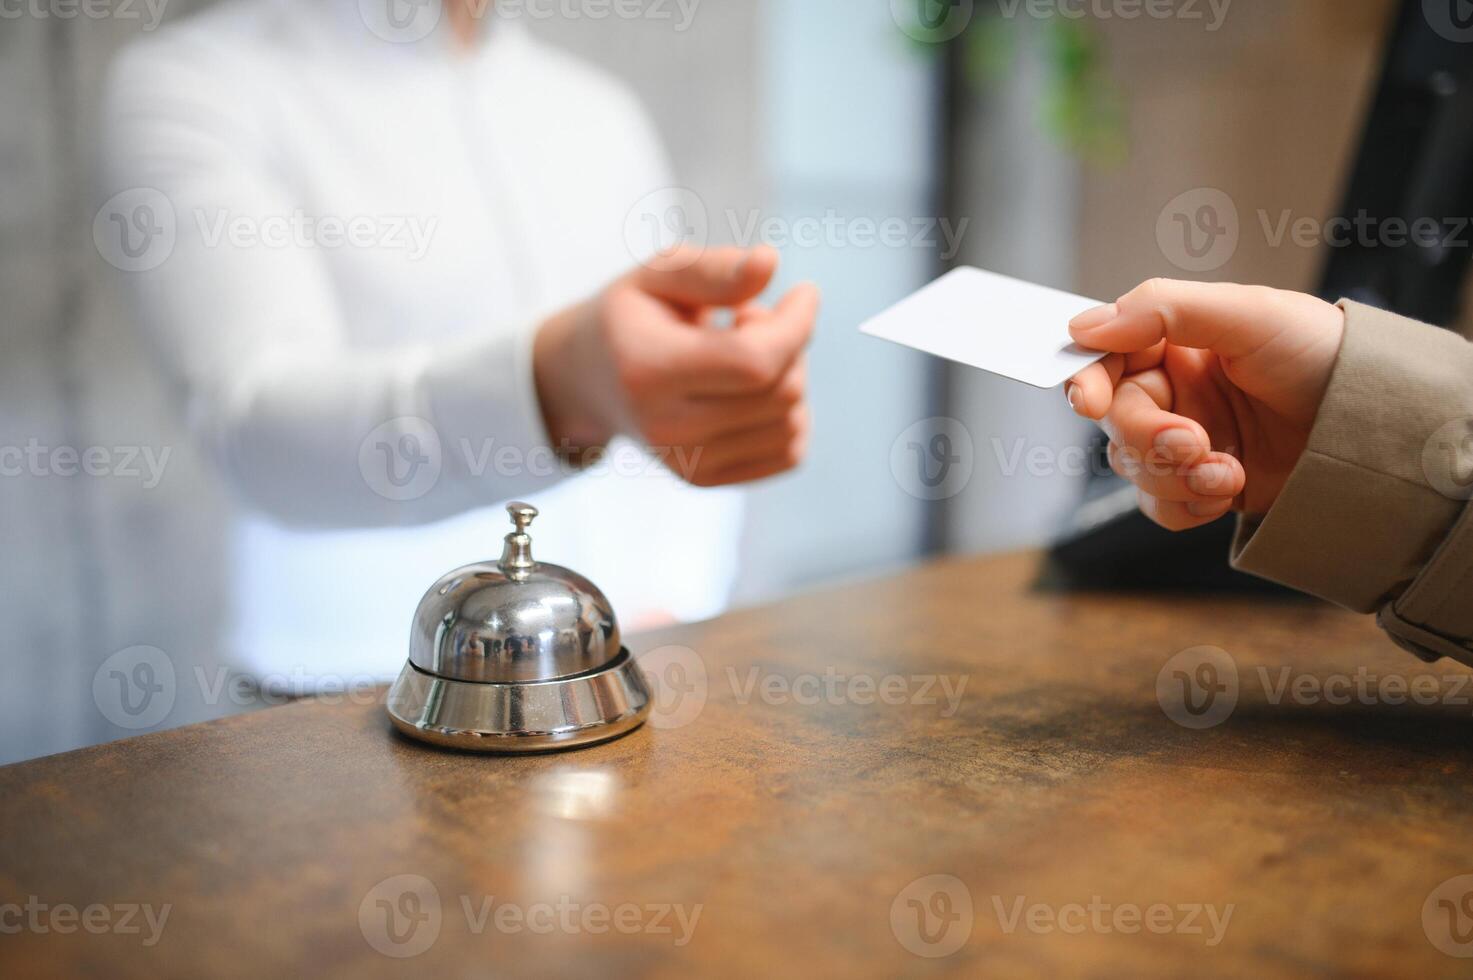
x,y
1052,141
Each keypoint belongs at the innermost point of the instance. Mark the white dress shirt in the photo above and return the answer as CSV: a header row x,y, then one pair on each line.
x,y
354,242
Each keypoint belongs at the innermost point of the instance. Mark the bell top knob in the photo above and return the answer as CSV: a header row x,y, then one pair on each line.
x,y
522,514
516,556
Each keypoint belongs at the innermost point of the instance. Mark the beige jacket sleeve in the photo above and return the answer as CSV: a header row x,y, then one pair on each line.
x,y
1375,517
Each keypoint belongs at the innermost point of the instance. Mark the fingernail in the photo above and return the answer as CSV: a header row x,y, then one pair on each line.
x,y
1097,317
1075,396
741,267
1210,508
1210,480
1178,442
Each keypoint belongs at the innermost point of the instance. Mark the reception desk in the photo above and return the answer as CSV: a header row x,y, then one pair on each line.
x,y
944,772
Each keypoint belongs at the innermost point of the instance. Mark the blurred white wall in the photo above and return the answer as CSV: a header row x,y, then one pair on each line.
x,y
89,565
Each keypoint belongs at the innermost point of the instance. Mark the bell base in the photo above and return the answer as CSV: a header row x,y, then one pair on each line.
x,y
538,716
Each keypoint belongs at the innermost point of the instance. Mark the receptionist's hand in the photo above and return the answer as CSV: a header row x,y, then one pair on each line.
x,y
647,358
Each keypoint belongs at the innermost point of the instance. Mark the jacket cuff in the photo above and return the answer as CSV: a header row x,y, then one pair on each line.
x,y
483,402
1370,500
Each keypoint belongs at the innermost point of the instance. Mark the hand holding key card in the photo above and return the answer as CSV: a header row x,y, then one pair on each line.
x,y
1208,395
1211,394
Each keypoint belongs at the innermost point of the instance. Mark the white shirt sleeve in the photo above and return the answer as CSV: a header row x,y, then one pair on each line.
x,y
301,423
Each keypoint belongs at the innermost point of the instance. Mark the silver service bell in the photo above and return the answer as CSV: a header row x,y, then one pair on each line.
x,y
519,656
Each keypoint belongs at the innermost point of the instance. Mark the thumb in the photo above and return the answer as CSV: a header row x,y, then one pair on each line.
x,y
1230,320
709,277
1277,345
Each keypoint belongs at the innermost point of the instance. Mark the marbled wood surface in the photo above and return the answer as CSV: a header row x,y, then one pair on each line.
x,y
795,826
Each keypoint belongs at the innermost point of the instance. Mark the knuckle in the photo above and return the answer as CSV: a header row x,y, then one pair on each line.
x,y
1155,289
1169,516
1124,461
636,378
755,374
791,390
611,308
1262,296
1149,506
796,421
662,433
1160,465
1155,295
753,367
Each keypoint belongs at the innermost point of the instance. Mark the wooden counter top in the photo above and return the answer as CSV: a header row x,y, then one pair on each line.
x,y
780,828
